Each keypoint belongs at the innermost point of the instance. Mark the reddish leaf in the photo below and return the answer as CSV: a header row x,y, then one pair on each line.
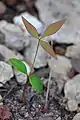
x,y
30,28
5,113
53,28
48,48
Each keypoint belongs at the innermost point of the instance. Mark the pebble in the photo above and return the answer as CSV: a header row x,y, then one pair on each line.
x,y
72,89
6,72
72,105
76,117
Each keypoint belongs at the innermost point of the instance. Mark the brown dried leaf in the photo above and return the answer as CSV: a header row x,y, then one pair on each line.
x,y
48,48
53,28
30,28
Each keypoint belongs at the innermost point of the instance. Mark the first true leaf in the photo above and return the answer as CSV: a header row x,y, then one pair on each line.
x,y
18,65
30,28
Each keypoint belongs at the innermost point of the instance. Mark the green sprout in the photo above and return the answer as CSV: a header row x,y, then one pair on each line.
x,y
34,80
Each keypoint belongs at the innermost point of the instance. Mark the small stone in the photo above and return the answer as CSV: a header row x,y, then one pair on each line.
x,y
72,89
58,67
45,118
20,77
18,20
6,72
72,105
14,37
77,116
73,51
8,53
59,118
26,115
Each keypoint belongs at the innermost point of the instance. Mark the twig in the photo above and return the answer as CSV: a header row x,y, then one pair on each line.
x,y
48,86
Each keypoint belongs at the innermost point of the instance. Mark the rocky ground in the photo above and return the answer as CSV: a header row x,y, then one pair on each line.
x,y
64,93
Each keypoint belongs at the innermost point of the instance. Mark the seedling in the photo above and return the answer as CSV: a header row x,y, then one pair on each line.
x,y
34,80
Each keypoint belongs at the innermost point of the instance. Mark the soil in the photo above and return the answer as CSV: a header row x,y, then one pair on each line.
x,y
34,107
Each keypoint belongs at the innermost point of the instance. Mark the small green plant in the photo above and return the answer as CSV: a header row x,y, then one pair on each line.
x,y
34,80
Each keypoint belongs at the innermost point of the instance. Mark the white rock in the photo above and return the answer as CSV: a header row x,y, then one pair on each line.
x,y
76,117
6,72
60,9
20,77
73,51
8,53
41,59
59,118
72,89
61,66
14,37
72,105
18,20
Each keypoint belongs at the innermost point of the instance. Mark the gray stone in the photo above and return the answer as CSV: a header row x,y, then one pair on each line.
x,y
61,9
59,118
18,20
8,53
72,89
76,117
45,118
14,37
20,77
6,72
72,105
73,51
61,66
29,53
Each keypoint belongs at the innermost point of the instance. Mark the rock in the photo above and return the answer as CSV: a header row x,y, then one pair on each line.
x,y
73,51
1,103
61,9
8,53
2,8
18,20
72,89
45,118
77,116
6,72
20,77
61,66
14,37
72,105
59,118
29,53
76,64
2,38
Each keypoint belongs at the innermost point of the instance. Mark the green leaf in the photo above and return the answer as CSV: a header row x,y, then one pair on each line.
x,y
36,83
48,48
18,65
30,28
53,28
